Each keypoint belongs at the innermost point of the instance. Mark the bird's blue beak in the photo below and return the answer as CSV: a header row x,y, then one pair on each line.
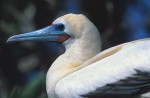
x,y
45,34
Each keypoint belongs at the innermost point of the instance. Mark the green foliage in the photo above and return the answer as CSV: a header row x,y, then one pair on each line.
x,y
15,93
33,89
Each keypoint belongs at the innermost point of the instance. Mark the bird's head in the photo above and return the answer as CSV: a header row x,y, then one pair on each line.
x,y
64,29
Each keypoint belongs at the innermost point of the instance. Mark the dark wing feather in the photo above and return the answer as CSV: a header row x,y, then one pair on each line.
x,y
127,88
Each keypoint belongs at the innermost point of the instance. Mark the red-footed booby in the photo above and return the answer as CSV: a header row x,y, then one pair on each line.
x,y
83,71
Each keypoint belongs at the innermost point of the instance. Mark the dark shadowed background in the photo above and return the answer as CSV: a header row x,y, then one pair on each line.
x,y
23,65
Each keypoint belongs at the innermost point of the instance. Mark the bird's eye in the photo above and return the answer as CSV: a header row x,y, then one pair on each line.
x,y
60,27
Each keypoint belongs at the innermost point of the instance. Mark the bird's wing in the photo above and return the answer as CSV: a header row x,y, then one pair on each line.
x,y
134,85
121,70
130,87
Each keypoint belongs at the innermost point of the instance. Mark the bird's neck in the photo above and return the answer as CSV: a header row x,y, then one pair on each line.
x,y
69,62
64,65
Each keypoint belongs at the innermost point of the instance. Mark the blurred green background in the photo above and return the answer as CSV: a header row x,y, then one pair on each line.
x,y
23,65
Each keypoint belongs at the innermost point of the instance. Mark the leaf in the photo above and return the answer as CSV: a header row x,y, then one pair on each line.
x,y
15,93
33,88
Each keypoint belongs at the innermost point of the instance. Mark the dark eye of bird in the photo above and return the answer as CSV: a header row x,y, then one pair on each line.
x,y
60,27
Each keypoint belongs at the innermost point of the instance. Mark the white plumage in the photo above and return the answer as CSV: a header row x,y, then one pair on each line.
x,y
108,70
84,71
